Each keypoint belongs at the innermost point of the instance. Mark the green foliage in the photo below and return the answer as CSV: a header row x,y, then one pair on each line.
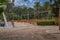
x,y
47,6
55,7
1,10
37,5
22,12
3,1
49,22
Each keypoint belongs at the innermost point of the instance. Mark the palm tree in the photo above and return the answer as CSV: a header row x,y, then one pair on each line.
x,y
57,9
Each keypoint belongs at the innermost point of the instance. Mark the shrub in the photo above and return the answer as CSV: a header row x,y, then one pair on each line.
x,y
49,22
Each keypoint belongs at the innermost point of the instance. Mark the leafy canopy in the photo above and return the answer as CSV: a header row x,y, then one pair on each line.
x,y
2,1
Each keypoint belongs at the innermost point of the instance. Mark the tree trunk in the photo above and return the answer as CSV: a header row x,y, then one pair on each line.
x,y
6,24
59,17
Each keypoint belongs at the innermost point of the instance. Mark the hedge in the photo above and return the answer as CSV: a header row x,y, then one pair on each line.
x,y
49,22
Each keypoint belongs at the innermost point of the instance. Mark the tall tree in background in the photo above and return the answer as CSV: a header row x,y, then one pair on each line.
x,y
56,9
31,13
36,8
48,7
24,11
10,6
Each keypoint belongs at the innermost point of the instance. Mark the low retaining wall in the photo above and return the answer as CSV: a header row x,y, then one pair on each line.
x,y
22,24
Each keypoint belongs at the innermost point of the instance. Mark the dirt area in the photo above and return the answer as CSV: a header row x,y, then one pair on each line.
x,y
29,33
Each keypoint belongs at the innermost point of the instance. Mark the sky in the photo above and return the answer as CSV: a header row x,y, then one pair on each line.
x,y
29,3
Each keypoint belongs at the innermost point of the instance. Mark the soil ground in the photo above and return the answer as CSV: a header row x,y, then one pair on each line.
x,y
29,33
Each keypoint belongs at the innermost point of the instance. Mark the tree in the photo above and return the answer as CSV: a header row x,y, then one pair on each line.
x,y
1,7
56,8
21,11
31,13
48,7
36,8
3,2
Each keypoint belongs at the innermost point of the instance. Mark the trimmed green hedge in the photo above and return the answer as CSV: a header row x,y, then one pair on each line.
x,y
49,22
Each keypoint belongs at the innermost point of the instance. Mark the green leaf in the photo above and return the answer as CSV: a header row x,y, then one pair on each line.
x,y
1,10
2,1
